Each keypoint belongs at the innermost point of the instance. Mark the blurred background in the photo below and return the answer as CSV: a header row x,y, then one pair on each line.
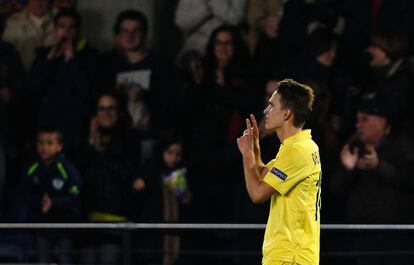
x,y
125,111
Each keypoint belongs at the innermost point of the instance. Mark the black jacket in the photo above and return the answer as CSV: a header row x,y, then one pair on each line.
x,y
109,174
383,195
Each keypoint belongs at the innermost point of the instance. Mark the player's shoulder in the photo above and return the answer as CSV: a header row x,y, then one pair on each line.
x,y
305,146
304,153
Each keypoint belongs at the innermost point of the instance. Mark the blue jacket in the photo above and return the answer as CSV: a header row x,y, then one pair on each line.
x,y
61,181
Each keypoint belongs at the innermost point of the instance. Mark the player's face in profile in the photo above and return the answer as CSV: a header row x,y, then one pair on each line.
x,y
223,47
48,145
274,113
172,156
370,127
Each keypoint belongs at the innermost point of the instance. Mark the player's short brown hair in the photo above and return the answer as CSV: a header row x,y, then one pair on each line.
x,y
298,98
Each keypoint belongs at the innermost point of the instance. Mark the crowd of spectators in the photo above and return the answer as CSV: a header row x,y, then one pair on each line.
x,y
123,135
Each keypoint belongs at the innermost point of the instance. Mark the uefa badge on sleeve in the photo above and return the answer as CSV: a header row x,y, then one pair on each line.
x,y
278,173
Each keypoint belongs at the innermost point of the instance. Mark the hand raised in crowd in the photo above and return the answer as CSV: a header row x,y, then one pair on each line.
x,y
63,47
197,70
55,52
370,160
46,203
349,158
220,77
138,184
68,51
95,135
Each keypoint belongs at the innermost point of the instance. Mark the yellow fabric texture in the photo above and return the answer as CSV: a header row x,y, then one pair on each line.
x,y
293,227
106,217
280,263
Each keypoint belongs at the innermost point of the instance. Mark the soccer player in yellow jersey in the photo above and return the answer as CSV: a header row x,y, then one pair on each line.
x,y
292,180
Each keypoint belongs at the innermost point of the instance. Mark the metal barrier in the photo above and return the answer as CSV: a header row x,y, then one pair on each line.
x,y
192,226
127,228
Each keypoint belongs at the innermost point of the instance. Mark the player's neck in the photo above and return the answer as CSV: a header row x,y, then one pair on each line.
x,y
286,132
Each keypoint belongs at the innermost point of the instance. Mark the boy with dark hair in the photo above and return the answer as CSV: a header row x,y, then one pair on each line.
x,y
51,189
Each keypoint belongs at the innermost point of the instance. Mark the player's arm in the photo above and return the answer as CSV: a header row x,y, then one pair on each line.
x,y
254,168
258,190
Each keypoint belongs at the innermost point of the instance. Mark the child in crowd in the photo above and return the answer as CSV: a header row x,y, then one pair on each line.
x,y
51,190
166,187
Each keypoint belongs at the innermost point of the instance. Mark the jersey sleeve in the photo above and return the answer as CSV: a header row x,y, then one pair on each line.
x,y
270,164
288,169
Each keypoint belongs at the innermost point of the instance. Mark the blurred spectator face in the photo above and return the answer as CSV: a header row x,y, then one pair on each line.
x,y
270,25
371,128
130,36
38,8
65,28
5,95
327,58
223,47
379,58
107,112
270,89
274,114
172,155
48,145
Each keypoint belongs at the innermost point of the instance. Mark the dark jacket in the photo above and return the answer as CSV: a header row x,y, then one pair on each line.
x,y
383,195
65,91
109,173
161,95
11,68
12,77
61,181
395,83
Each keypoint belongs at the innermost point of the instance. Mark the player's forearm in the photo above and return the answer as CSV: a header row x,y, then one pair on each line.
x,y
258,160
252,176
260,168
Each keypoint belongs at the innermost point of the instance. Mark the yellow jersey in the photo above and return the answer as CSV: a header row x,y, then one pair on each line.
x,y
293,226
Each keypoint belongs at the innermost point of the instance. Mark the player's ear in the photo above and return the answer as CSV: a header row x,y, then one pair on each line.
x,y
287,114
